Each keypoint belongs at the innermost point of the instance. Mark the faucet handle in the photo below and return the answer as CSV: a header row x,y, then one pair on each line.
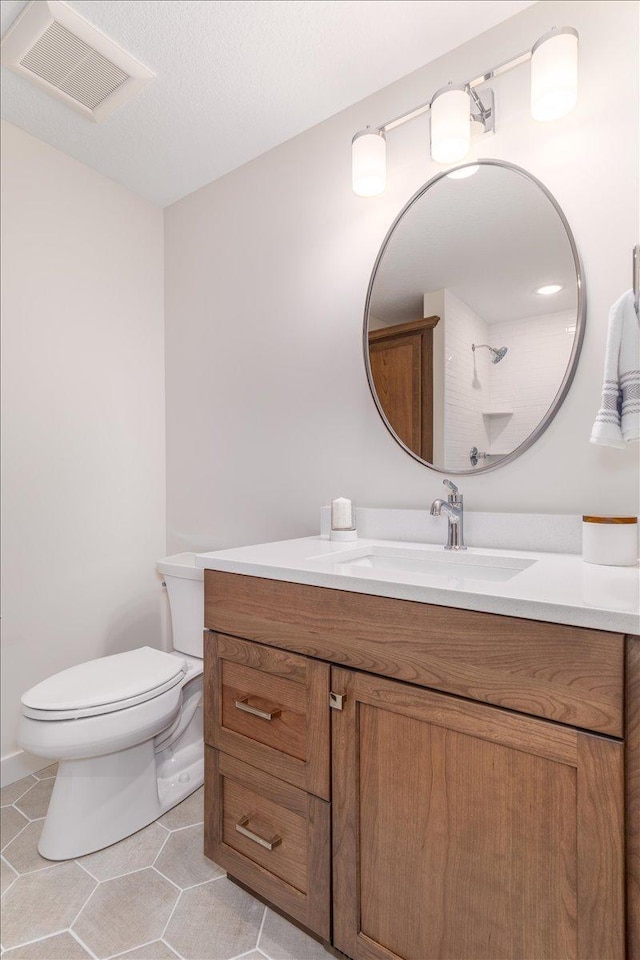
x,y
452,487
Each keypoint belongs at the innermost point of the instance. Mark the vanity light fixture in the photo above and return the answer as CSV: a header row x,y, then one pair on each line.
x,y
460,112
450,126
369,163
549,289
554,74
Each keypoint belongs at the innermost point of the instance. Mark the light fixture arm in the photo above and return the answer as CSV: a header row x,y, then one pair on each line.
x,y
470,84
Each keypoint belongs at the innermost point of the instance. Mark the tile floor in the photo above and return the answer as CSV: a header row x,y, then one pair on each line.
x,y
153,896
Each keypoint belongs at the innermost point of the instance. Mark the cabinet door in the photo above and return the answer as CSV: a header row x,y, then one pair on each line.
x,y
463,831
396,368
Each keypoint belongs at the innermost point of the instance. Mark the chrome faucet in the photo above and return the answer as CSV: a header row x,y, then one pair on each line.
x,y
453,510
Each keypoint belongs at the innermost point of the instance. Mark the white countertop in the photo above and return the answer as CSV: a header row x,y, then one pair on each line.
x,y
555,587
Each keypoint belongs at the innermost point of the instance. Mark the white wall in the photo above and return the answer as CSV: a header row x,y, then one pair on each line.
x,y
269,412
527,379
467,376
83,411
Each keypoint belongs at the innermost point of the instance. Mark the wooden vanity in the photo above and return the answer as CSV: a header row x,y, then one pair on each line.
x,y
423,782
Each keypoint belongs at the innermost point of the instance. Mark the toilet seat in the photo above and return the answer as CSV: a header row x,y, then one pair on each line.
x,y
104,685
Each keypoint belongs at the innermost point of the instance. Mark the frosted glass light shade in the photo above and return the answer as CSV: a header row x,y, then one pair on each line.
x,y
450,124
554,74
369,163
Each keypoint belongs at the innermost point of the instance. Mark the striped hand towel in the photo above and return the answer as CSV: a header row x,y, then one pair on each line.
x,y
618,419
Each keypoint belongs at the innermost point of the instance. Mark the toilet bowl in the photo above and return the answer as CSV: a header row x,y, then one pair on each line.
x,y
126,730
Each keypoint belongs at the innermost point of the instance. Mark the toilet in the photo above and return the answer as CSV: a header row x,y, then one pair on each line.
x,y
126,730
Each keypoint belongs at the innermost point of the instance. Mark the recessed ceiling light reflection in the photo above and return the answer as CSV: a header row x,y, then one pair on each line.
x,y
463,172
549,289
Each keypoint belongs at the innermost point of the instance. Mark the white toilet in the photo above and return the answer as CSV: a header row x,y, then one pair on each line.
x,y
127,730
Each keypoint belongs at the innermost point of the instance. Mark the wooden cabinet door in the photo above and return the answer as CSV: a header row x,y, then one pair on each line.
x,y
396,369
466,832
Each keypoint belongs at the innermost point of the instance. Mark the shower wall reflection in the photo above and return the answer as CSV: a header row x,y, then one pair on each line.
x,y
492,406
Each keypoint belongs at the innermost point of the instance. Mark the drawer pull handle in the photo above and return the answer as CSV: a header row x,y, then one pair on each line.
x,y
241,827
246,707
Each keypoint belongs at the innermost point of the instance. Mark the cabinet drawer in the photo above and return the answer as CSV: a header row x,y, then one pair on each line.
x,y
271,836
269,708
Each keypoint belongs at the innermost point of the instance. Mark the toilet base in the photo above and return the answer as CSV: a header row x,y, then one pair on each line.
x,y
100,800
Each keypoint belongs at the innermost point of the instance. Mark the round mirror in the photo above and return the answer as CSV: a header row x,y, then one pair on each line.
x,y
474,318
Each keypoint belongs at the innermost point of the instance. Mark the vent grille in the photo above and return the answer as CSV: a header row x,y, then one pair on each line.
x,y
71,65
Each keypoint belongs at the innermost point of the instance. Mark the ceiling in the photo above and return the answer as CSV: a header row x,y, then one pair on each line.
x,y
237,77
492,239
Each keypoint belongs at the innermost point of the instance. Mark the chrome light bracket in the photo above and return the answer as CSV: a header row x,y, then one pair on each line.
x,y
483,112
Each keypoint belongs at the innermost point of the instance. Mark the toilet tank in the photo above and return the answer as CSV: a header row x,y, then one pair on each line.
x,y
185,587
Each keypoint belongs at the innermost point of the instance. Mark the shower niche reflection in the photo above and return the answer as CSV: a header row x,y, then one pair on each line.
x,y
467,361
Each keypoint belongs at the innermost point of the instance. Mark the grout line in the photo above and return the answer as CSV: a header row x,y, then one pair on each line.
x,y
86,869
58,863
82,943
17,834
192,886
166,926
27,943
187,826
264,917
172,882
13,870
138,946
87,900
247,953
162,846
167,944
21,795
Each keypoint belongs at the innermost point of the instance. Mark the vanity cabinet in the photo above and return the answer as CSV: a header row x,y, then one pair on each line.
x,y
467,791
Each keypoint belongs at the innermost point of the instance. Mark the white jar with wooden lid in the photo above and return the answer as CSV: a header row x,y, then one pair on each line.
x,y
611,541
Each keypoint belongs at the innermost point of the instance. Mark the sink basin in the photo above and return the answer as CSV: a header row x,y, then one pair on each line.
x,y
444,567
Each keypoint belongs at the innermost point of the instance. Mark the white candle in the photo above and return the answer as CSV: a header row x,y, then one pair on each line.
x,y
342,514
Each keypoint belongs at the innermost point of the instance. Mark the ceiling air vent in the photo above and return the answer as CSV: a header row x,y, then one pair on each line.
x,y
53,46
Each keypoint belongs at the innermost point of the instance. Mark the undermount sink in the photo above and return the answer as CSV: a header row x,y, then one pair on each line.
x,y
444,566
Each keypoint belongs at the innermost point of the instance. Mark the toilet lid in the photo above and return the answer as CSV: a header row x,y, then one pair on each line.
x,y
104,685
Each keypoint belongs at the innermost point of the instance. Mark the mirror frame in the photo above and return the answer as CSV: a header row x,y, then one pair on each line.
x,y
577,341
